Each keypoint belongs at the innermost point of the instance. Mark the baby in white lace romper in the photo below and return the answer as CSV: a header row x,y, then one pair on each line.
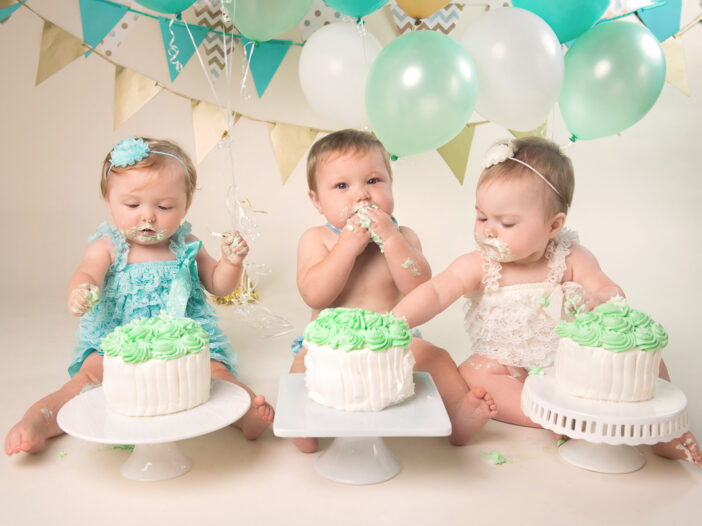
x,y
516,282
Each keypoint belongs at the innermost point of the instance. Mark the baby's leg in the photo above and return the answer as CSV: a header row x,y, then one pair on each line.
x,y
468,409
502,382
260,414
304,444
39,422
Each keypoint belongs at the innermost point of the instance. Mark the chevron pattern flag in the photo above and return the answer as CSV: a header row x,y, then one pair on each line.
x,y
444,20
209,13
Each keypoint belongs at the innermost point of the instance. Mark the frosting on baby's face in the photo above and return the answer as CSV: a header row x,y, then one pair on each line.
x,y
494,248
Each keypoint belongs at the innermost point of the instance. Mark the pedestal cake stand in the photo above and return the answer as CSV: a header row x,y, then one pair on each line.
x,y
602,433
156,456
358,454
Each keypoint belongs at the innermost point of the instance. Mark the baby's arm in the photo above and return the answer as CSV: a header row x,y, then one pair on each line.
x,y
322,272
587,272
439,293
222,277
84,285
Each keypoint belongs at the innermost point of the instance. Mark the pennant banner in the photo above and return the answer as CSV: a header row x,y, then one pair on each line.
x,y
444,20
319,14
98,18
664,20
110,42
132,92
209,126
6,12
675,68
58,49
456,152
178,44
290,143
536,132
208,13
264,58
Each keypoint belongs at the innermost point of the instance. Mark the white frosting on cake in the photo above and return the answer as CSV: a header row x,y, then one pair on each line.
x,y
156,387
358,380
600,374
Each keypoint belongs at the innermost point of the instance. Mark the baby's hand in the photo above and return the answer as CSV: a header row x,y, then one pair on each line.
x,y
83,298
381,222
234,248
354,236
578,300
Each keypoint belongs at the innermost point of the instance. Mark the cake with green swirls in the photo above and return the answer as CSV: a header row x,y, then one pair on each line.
x,y
611,353
358,360
156,366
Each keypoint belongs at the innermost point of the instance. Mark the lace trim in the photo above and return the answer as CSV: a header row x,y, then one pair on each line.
x,y
178,245
491,273
121,247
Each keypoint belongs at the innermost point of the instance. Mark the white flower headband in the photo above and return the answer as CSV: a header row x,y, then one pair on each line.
x,y
503,151
130,151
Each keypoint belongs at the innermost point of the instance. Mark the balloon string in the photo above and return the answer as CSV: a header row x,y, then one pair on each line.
x,y
247,65
173,50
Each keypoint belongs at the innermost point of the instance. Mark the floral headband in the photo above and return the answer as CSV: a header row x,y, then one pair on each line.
x,y
130,151
503,151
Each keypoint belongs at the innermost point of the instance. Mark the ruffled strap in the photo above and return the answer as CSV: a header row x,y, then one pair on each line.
x,y
557,251
491,273
177,244
121,247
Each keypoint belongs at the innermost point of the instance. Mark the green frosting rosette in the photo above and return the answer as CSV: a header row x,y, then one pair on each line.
x,y
160,338
355,329
616,327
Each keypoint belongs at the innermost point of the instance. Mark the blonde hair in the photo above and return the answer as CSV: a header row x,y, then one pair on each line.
x,y
547,158
342,141
156,161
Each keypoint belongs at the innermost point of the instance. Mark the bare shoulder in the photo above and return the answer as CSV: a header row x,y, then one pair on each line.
x,y
468,268
100,247
316,235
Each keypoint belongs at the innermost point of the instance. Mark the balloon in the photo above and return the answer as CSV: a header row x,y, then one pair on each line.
x,y
420,92
333,67
520,66
262,20
421,8
167,6
568,18
356,8
614,74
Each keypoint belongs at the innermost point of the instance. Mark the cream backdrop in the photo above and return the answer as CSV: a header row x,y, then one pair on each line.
x,y
637,203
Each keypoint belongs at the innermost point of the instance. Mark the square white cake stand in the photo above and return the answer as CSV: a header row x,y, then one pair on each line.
x,y
602,433
156,456
358,454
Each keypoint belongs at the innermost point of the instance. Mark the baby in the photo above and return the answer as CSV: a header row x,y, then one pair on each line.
x,y
361,258
515,283
129,270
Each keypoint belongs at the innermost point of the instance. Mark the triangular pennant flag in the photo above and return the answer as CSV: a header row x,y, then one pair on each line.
x,y
662,20
540,131
6,12
98,19
58,49
675,68
318,15
290,143
132,92
110,42
178,44
264,59
443,20
209,13
455,152
209,126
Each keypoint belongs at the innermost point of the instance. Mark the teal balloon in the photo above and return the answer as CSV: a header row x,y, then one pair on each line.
x,y
568,18
167,6
263,20
613,75
356,7
420,92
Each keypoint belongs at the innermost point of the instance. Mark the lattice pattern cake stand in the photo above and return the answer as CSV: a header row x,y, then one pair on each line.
x,y
156,456
358,454
602,433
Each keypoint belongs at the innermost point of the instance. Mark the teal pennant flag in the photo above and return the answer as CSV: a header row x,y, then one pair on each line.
x,y
178,44
7,11
663,21
265,61
98,19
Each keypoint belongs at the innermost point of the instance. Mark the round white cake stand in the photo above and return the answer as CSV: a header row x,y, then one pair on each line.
x,y
358,454
602,433
156,456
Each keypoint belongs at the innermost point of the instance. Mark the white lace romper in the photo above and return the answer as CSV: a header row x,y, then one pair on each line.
x,y
514,324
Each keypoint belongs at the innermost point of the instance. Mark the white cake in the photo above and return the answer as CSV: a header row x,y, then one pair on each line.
x,y
358,360
612,353
156,366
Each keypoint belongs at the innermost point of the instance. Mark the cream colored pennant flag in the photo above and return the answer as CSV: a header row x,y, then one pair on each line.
x,y
290,143
58,49
455,153
209,126
675,67
132,92
536,132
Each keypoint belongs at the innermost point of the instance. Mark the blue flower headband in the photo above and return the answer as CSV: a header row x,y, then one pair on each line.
x,y
130,151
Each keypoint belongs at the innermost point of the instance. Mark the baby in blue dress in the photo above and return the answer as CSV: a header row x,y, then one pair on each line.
x,y
147,262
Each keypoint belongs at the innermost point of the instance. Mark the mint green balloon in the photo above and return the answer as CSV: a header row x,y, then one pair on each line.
x,y
262,20
420,92
613,75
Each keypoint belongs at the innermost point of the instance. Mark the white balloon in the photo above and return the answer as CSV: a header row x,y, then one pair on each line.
x,y
334,64
519,62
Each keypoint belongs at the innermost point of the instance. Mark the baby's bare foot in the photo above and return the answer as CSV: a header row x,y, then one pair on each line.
x,y
682,448
257,418
306,445
28,435
470,414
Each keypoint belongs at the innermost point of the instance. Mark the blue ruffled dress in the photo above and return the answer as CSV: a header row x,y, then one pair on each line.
x,y
142,290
